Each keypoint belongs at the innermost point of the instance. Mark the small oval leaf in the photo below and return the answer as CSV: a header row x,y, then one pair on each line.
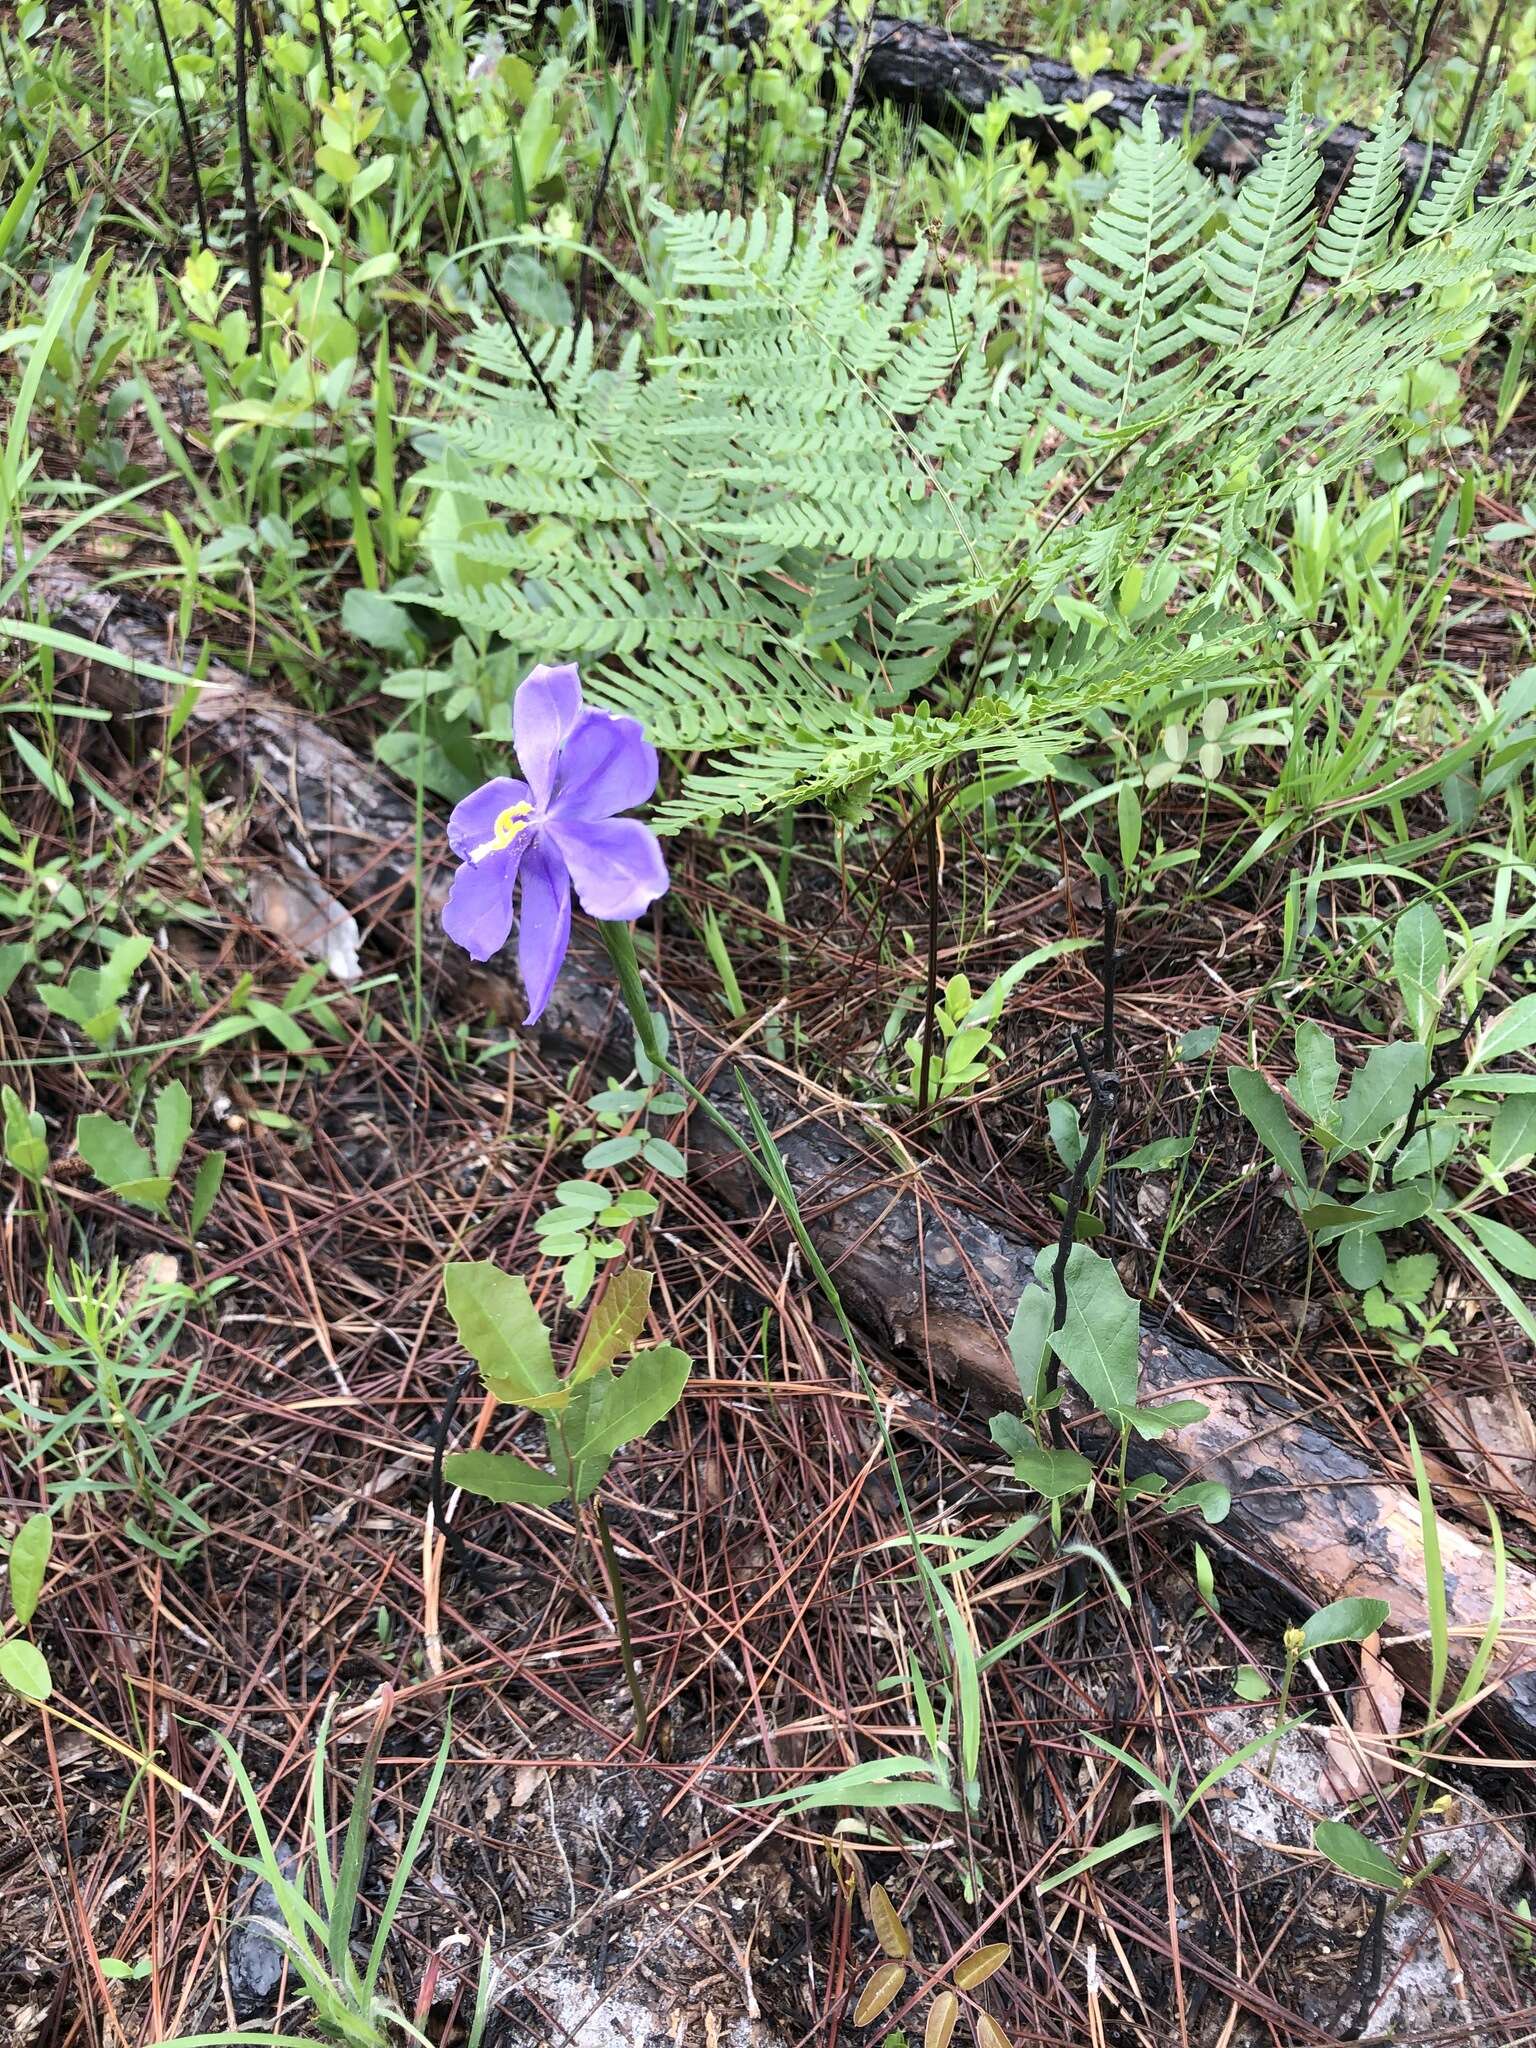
x,y
942,2015
988,2033
889,1931
25,1669
1356,1855
29,1565
978,1968
1344,1621
878,1993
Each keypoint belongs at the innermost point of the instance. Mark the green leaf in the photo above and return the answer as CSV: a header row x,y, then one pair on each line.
x,y
120,1162
26,1136
1205,1580
616,1321
665,1158
42,768
1316,1079
1249,1683
612,1152
29,1565
1168,1415
1512,1031
1362,1259
1066,1131
1356,1855
1130,1838
25,1669
501,1475
173,1126
1194,1045
1270,1118
205,1189
1420,957
1099,1344
1516,1254
624,1406
288,1031
1208,1495
1028,1336
499,1327
1155,1157
1058,1474
882,1781
1512,1134
1344,1621
125,956
1380,1094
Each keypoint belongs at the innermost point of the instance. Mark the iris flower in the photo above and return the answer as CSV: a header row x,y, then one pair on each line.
x,y
557,830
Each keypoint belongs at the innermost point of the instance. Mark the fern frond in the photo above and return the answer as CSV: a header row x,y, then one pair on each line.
x,y
1251,266
1454,192
1114,341
1357,230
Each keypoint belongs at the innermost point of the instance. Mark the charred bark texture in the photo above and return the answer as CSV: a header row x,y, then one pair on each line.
x,y
924,66
933,1281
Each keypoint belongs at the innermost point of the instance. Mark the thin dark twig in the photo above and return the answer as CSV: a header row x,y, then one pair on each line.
x,y
1444,1060
855,75
1111,915
248,168
1373,1955
439,1450
189,141
1474,97
597,206
746,123
1415,58
436,127
931,987
326,57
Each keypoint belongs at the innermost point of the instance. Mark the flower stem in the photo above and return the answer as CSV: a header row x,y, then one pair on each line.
x,y
621,1624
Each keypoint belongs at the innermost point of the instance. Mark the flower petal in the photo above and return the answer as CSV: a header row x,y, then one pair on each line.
x,y
543,924
473,822
615,863
478,913
606,765
546,707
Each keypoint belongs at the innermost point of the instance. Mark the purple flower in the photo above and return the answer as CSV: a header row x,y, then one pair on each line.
x,y
558,828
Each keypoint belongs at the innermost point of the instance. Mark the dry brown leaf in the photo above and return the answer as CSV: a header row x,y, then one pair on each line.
x,y
889,1931
527,1780
878,1993
942,2015
1358,1760
978,1968
293,905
